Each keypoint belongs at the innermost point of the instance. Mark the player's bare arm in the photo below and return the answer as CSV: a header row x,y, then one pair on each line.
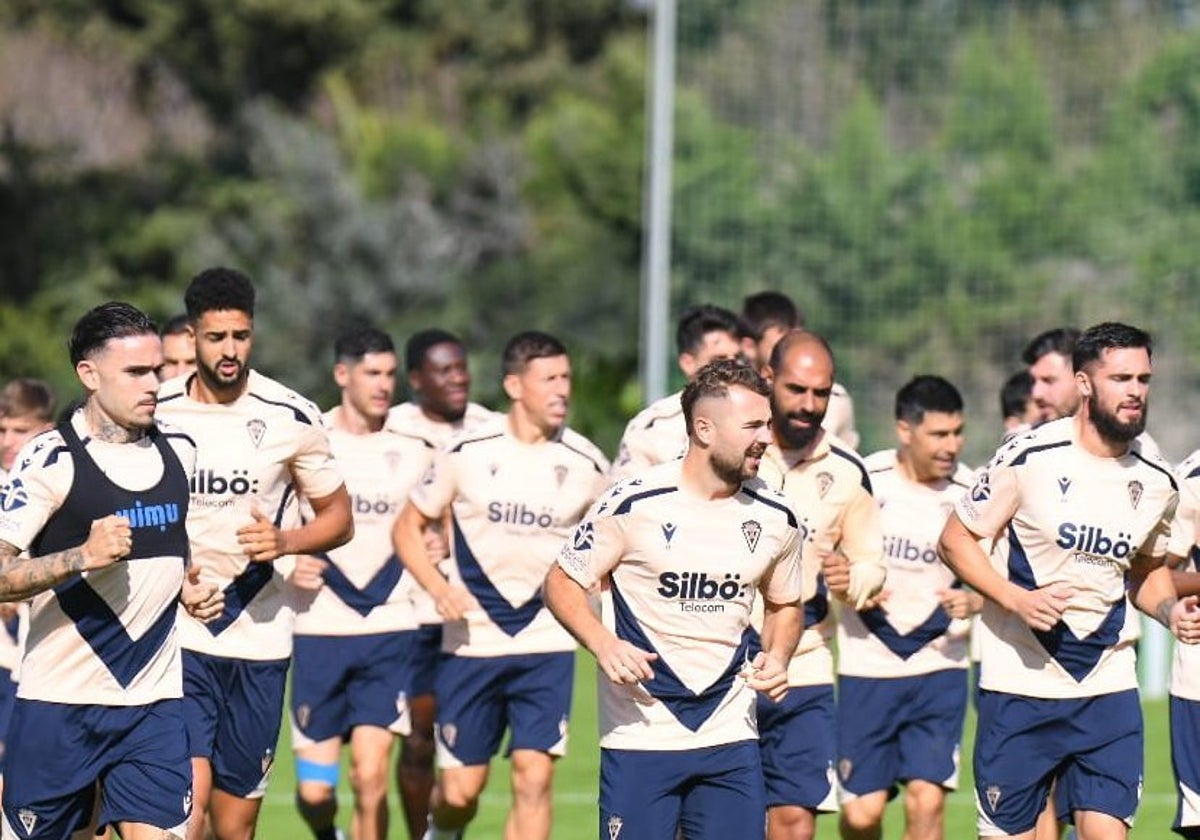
x,y
1039,608
1152,590
620,661
332,525
409,540
782,624
109,540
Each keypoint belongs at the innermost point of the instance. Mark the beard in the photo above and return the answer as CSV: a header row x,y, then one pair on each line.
x,y
1111,428
792,437
732,469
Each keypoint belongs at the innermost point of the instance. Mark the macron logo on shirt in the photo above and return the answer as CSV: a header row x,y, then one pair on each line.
x,y
151,516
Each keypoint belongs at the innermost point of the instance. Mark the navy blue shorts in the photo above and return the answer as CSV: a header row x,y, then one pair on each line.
x,y
8,698
426,654
1092,745
1185,761
798,741
233,709
899,729
60,751
478,698
713,793
340,682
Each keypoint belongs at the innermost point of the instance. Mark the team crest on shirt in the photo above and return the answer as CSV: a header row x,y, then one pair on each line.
x,y
256,429
751,530
615,824
493,468
560,474
13,496
1135,493
824,482
1064,484
669,529
28,819
993,796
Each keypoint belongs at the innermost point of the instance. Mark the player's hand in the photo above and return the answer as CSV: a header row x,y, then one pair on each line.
x,y
835,568
767,676
1185,620
876,600
1042,608
109,540
203,601
455,603
309,573
623,663
261,541
956,602
436,547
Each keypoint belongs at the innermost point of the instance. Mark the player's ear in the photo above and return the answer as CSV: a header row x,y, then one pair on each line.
x,y
512,386
88,374
1084,383
687,364
904,432
704,428
768,373
341,374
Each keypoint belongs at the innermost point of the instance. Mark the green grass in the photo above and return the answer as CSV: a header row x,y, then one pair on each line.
x,y
576,785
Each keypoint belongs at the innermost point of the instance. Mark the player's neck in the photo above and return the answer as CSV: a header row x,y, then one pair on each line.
x,y
203,391
795,456
1089,437
696,477
103,428
438,417
524,429
349,419
908,470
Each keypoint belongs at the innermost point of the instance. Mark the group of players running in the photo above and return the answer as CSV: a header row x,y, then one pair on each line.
x,y
427,571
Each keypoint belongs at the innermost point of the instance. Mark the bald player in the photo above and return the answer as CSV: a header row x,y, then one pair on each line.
x,y
657,433
827,485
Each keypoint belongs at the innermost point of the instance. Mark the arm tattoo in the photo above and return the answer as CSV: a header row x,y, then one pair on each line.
x,y
24,577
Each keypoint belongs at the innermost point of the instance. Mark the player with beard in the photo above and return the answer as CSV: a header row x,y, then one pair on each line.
x,y
1085,512
842,554
258,445
439,381
681,551
1054,390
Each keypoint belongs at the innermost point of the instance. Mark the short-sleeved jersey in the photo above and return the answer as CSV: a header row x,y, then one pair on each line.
x,y
10,650
1185,542
680,575
408,419
658,433
830,491
107,637
909,634
512,505
364,592
1064,515
259,450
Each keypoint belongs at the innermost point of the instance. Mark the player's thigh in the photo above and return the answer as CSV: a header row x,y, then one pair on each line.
x,y
149,780
471,710
797,744
1104,773
248,731
203,700
870,716
378,689
320,700
929,743
1185,761
727,797
538,697
424,660
641,793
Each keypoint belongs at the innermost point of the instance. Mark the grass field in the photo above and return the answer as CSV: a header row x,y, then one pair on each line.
x,y
576,785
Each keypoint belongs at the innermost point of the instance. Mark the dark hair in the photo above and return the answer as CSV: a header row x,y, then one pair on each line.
x,y
524,347
923,394
1110,335
354,343
422,342
23,396
115,319
1015,394
770,309
175,325
1060,340
714,380
218,290
698,321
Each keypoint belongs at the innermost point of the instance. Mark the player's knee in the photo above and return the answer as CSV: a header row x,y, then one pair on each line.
x,y
458,792
791,822
369,781
316,784
861,814
532,775
924,800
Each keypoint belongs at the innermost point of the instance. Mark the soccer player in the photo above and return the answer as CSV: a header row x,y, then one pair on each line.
x,y
1185,670
440,382
1049,356
767,317
515,488
1085,511
258,444
827,485
353,637
657,434
179,348
1018,410
682,551
902,664
99,506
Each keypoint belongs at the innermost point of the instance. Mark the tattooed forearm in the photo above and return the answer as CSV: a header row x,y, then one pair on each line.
x,y
24,577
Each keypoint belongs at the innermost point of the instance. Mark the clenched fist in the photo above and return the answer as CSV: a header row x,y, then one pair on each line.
x,y
110,540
